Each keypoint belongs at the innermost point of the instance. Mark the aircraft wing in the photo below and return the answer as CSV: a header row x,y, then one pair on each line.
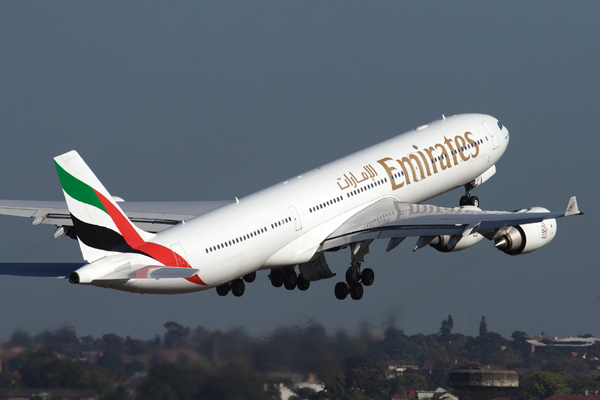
x,y
392,219
46,270
151,216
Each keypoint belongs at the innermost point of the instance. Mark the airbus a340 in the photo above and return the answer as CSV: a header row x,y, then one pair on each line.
x,y
180,247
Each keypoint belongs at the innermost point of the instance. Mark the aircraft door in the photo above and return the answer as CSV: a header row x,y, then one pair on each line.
x,y
296,218
180,256
489,129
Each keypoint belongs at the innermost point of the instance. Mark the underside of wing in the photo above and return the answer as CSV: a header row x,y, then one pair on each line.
x,y
150,216
391,219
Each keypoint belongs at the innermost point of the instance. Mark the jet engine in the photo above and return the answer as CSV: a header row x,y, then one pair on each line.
x,y
446,243
523,239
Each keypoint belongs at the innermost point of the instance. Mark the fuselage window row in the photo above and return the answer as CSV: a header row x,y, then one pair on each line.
x,y
464,148
367,187
237,240
326,203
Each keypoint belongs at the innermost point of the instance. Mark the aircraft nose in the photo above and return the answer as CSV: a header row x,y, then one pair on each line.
x,y
503,134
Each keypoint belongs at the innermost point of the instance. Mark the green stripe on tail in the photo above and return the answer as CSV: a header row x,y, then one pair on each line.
x,y
77,189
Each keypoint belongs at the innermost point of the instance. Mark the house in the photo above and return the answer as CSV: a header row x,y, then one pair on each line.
x,y
573,397
394,368
437,394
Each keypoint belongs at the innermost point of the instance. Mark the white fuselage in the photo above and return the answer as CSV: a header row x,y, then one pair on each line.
x,y
285,224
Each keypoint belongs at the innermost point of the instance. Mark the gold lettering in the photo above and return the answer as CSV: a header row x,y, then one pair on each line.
x,y
407,160
429,151
389,170
460,143
425,162
449,144
473,143
444,159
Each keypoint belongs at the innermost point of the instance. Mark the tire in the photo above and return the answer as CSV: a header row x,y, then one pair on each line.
x,y
302,283
474,201
464,200
289,280
356,291
367,277
352,276
223,290
276,277
341,290
238,287
250,277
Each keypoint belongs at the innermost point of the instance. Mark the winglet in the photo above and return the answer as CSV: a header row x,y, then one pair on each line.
x,y
572,208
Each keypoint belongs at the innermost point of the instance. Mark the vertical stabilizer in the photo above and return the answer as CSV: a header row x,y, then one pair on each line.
x,y
100,224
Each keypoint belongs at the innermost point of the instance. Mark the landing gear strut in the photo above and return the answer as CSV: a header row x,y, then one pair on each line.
x,y
467,199
354,278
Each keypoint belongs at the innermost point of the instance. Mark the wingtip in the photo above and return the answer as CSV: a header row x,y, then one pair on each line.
x,y
572,208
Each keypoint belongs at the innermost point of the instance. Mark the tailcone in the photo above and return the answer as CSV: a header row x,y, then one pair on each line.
x,y
74,278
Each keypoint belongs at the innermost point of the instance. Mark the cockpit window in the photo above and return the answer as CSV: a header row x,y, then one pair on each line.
x,y
500,125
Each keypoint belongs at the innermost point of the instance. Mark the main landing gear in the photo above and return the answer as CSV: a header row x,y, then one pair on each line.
x,y
354,283
354,278
237,286
288,278
467,199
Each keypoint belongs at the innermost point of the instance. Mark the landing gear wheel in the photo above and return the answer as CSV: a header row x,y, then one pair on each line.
x,y
289,280
367,277
474,201
250,277
464,200
276,277
238,287
302,283
352,276
223,289
356,291
341,290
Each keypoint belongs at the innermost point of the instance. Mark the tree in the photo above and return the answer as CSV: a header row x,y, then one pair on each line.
x,y
542,384
364,374
176,334
43,370
111,361
20,338
447,326
483,327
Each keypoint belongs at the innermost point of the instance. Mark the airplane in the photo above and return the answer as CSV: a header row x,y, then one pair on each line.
x,y
375,193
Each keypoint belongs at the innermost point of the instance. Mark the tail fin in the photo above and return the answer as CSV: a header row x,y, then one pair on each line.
x,y
100,224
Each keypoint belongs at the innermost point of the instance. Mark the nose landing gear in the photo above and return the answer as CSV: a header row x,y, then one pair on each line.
x,y
467,199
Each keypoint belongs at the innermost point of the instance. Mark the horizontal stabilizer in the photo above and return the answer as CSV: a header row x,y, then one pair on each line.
x,y
47,270
150,272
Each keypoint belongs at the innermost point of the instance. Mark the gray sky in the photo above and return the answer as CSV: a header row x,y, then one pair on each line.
x,y
212,100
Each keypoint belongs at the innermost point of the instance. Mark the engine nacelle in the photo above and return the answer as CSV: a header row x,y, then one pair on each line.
x,y
526,238
446,243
